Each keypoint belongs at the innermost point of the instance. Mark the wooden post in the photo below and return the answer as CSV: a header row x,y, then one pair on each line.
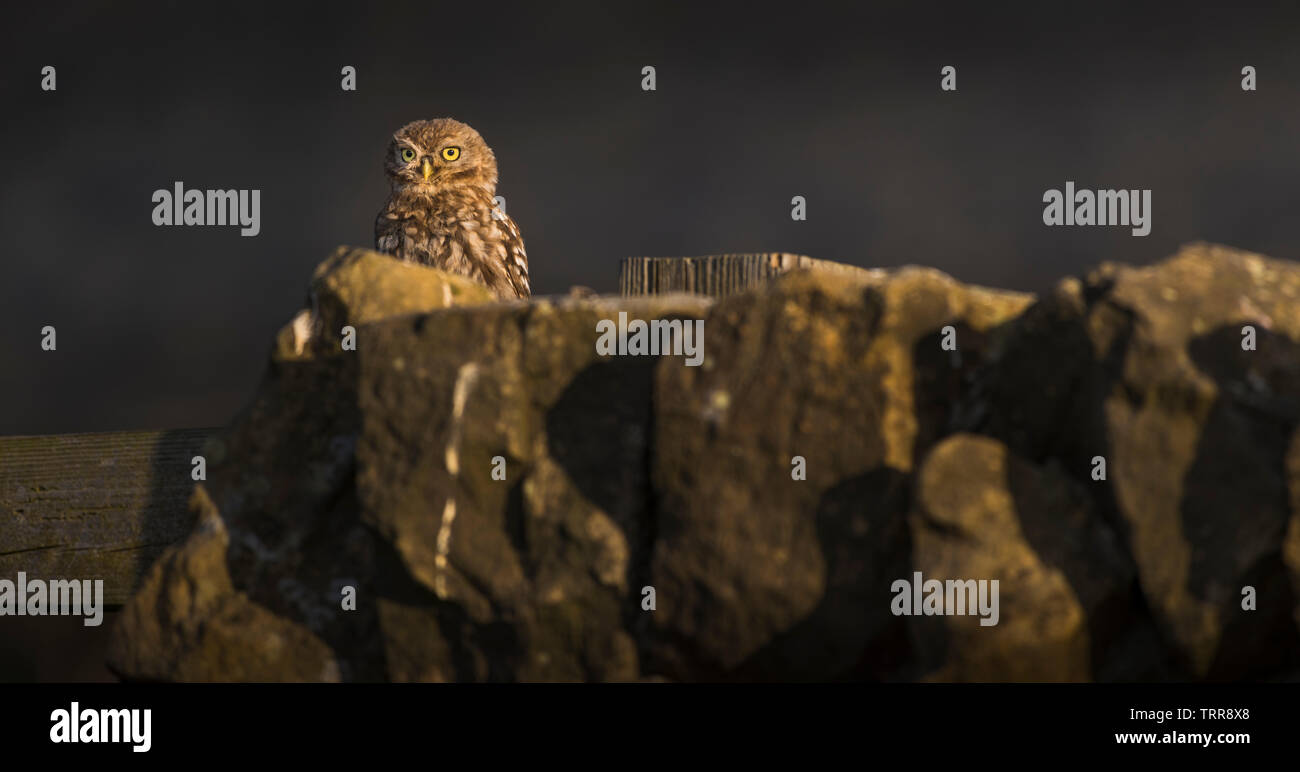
x,y
94,506
714,275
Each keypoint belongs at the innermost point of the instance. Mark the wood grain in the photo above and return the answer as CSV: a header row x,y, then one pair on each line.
x,y
714,275
94,506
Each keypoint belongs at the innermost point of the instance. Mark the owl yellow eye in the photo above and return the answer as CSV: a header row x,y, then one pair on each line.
x,y
450,153
408,155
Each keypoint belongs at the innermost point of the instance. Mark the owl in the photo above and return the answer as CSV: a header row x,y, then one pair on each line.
x,y
441,209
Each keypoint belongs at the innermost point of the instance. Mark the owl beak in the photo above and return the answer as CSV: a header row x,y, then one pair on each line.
x,y
426,167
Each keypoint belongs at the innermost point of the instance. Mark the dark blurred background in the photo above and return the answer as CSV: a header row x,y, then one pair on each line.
x,y
169,327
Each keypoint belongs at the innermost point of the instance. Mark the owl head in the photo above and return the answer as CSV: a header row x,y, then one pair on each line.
x,y
441,154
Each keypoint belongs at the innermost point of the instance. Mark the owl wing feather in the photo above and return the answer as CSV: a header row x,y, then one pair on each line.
x,y
516,259
462,232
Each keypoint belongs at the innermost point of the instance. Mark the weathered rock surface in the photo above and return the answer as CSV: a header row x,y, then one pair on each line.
x,y
497,495
1067,611
1148,369
764,576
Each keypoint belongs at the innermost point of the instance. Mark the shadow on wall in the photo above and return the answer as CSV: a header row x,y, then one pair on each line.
x,y
1236,505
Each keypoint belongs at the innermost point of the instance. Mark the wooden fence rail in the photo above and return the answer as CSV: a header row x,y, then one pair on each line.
x,y
715,275
94,506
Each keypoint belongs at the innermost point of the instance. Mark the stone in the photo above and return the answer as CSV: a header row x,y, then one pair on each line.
x,y
1145,367
772,578
943,429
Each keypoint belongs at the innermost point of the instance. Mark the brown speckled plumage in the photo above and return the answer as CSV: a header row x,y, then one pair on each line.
x,y
441,210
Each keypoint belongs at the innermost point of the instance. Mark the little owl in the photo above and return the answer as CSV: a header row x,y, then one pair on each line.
x,y
441,210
